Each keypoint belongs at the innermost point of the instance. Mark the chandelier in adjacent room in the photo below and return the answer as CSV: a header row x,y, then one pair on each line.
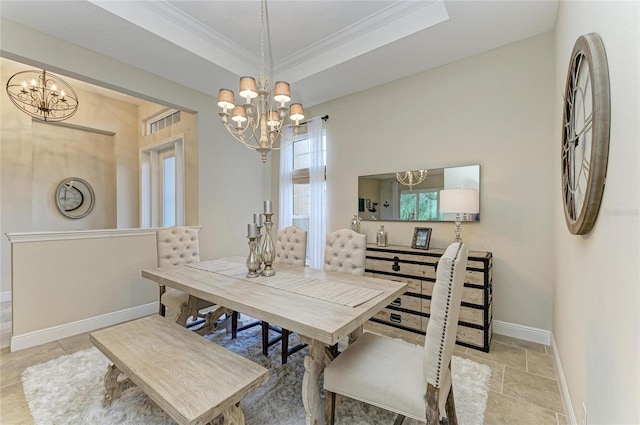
x,y
258,121
43,95
411,178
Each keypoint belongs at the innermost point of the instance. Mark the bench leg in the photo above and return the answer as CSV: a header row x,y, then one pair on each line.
x,y
113,388
233,415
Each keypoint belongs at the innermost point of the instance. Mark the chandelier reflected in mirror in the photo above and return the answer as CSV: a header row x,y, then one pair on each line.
x,y
43,95
411,178
258,121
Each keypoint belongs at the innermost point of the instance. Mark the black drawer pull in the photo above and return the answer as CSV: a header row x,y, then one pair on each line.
x,y
397,302
395,318
396,266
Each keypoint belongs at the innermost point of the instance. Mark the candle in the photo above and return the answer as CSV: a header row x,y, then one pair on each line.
x,y
252,230
257,218
267,207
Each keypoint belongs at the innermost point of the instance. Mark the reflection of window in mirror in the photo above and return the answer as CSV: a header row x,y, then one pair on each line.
x,y
419,204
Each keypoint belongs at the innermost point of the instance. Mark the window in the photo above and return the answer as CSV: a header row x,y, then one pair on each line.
x,y
300,177
303,188
419,204
162,185
166,120
167,186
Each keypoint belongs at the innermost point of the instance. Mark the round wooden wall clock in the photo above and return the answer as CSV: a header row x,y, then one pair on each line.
x,y
585,133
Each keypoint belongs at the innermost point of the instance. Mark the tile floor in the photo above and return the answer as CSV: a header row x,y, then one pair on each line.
x,y
524,388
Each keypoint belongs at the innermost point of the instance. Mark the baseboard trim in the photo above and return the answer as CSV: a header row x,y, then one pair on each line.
x,y
522,332
32,339
562,383
5,296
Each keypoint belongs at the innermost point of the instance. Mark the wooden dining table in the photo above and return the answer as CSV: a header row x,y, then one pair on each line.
x,y
321,307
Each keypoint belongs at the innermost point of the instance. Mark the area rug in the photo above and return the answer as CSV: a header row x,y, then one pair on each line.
x,y
69,389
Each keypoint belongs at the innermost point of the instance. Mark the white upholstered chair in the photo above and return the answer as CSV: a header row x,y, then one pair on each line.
x,y
179,245
291,248
345,252
404,378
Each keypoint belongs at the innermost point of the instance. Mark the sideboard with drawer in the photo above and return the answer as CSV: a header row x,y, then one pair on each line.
x,y
410,311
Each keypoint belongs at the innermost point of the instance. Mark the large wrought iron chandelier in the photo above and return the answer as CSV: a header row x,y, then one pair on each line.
x,y
258,121
43,95
411,178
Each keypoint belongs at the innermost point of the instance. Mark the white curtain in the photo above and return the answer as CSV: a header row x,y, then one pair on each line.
x,y
286,181
317,188
395,201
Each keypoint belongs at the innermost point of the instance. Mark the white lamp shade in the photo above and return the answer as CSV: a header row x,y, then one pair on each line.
x,y
459,201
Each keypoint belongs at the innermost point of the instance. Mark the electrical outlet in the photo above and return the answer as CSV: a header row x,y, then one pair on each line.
x,y
584,414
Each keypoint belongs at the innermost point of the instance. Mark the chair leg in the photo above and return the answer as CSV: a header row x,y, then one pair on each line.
x,y
162,311
334,350
265,338
433,413
399,420
285,345
330,408
450,407
234,324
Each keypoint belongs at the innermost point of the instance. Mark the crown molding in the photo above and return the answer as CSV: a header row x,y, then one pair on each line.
x,y
390,24
166,21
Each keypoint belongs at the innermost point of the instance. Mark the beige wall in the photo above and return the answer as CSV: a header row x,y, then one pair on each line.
x,y
596,321
80,277
63,152
494,109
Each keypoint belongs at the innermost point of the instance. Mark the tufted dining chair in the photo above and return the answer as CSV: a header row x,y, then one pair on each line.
x,y
291,248
384,371
345,252
179,245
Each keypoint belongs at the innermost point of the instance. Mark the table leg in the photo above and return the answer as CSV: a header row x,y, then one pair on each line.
x,y
357,333
233,415
313,367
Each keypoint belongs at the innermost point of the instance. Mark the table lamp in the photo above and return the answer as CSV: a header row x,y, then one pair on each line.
x,y
459,201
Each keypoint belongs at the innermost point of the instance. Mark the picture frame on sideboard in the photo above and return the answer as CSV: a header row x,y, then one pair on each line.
x,y
421,237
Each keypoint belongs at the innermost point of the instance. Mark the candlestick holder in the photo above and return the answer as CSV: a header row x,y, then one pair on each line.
x,y
268,250
252,259
259,246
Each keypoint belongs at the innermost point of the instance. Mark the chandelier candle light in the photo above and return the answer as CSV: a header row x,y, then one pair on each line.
x,y
258,125
411,178
42,95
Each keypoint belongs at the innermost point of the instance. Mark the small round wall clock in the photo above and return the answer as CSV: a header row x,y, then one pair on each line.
x,y
585,133
75,197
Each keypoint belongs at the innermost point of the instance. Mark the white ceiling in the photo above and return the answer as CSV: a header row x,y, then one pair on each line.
x,y
325,49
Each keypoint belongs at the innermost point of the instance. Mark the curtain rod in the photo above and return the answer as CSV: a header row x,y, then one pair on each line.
x,y
324,118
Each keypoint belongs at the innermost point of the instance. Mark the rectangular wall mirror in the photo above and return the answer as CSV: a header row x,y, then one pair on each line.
x,y
385,197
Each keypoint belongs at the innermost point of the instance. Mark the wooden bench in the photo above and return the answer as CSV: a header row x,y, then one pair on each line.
x,y
191,378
